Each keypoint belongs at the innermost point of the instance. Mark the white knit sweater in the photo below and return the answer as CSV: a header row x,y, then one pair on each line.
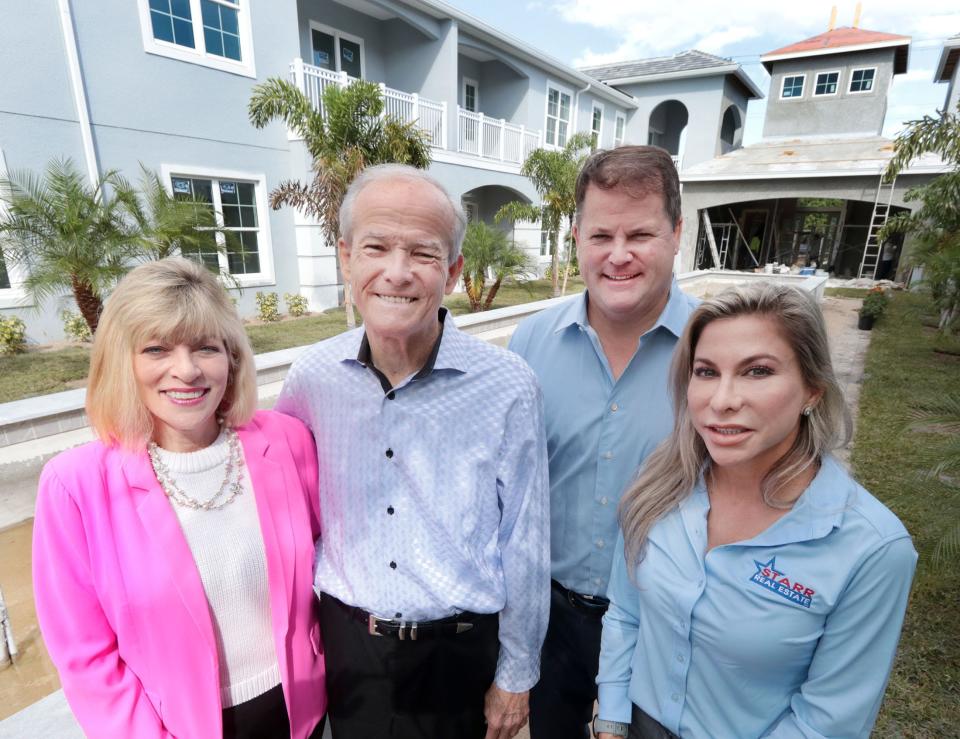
x,y
227,546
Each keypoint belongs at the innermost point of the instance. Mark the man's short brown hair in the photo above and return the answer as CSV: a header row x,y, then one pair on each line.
x,y
638,170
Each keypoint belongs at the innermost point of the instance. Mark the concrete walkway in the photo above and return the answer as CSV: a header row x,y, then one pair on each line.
x,y
29,707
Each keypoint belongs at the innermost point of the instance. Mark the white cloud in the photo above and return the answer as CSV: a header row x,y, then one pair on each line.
x,y
715,27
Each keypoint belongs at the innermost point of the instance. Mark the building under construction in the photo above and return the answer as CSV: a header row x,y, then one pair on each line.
x,y
811,192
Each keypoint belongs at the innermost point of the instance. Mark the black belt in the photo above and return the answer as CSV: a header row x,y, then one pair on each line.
x,y
458,623
591,603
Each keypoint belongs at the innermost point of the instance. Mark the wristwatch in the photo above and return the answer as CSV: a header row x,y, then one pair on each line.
x,y
610,727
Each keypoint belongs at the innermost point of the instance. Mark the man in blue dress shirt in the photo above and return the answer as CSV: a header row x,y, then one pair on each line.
x,y
602,359
433,560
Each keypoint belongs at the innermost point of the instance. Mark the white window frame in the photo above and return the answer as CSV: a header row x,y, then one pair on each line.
x,y
803,88
816,81
873,86
14,296
337,35
546,115
617,118
266,275
198,55
594,107
476,93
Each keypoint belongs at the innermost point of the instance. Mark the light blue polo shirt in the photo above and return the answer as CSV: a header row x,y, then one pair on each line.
x,y
598,430
789,634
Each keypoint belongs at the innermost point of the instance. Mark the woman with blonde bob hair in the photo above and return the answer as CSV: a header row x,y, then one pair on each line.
x,y
172,558
758,590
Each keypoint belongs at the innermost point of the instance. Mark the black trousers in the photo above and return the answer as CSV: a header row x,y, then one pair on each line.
x,y
380,687
263,717
642,726
561,704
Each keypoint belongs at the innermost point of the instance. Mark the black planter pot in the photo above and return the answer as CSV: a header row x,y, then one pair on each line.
x,y
865,323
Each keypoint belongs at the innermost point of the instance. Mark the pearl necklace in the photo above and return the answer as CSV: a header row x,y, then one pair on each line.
x,y
234,468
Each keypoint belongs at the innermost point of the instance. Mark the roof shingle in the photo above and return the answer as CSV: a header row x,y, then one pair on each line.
x,y
684,61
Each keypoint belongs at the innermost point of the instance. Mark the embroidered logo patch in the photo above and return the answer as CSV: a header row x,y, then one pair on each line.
x,y
769,577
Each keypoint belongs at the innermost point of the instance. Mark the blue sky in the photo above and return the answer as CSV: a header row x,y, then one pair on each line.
x,y
581,32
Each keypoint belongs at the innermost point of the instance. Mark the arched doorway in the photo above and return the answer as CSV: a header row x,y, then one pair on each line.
x,y
666,125
731,129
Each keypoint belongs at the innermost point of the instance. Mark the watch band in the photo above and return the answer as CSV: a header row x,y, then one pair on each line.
x,y
610,727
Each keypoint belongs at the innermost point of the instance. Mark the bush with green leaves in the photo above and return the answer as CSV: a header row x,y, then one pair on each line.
x,y
296,304
13,335
267,307
75,326
874,304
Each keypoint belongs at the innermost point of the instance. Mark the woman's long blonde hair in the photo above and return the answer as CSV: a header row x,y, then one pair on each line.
x,y
174,300
671,472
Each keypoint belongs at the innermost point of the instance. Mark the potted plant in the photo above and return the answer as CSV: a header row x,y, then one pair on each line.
x,y
874,304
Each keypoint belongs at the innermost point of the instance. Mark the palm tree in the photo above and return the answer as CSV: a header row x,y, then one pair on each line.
x,y
352,133
485,250
554,176
67,234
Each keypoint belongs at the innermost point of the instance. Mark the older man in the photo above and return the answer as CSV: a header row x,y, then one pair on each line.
x,y
433,561
602,360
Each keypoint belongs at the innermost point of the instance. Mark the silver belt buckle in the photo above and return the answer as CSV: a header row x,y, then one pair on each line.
x,y
372,625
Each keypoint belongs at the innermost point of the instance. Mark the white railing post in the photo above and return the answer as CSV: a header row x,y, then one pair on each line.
x,y
503,136
415,109
443,124
383,97
480,135
298,76
344,79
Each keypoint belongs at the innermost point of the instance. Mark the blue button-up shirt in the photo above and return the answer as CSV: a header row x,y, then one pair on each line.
x,y
599,429
789,634
433,496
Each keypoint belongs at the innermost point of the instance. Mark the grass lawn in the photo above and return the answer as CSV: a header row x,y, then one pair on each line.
x,y
39,373
845,292
902,373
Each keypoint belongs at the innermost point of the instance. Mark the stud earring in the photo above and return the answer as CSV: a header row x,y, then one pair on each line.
x,y
808,410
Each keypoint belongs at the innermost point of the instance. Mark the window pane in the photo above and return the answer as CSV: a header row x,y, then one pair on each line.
x,y
228,193
217,22
183,33
181,9
162,5
245,193
230,22
210,12
553,99
597,117
323,55
162,26
826,83
562,134
565,107
231,46
792,87
551,130
231,216
350,58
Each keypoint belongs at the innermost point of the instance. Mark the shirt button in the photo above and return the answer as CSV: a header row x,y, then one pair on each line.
x,y
679,658
393,565
603,500
391,395
389,453
390,510
608,455
598,581
599,543
614,407
675,697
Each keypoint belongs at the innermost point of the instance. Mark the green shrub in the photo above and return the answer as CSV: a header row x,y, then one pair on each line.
x,y
296,304
267,307
13,335
874,304
75,327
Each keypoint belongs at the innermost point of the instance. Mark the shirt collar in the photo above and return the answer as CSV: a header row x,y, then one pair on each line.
x,y
673,317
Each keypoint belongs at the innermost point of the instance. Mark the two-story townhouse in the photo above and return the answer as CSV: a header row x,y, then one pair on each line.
x,y
693,104
811,190
165,84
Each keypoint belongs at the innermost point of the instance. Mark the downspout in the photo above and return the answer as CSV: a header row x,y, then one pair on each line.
x,y
79,95
576,106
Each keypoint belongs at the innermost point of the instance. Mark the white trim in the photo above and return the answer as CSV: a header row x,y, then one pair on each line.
x,y
266,275
871,173
14,296
616,119
595,106
198,55
833,50
337,35
476,93
735,69
836,88
79,94
446,156
803,86
873,82
546,108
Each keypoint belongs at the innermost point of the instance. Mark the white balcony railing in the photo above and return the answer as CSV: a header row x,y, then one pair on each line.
x,y
429,115
494,138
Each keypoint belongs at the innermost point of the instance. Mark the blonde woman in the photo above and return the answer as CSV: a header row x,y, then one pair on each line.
x,y
172,559
758,589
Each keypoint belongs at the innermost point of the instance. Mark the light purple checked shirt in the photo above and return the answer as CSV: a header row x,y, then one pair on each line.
x,y
433,501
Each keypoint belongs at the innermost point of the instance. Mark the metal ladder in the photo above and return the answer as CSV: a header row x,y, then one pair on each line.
x,y
8,647
881,211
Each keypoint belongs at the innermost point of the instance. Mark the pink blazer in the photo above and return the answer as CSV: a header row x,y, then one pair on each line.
x,y
119,599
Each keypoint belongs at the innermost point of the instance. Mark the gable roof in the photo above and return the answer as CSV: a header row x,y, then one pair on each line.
x,y
841,41
691,63
949,55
